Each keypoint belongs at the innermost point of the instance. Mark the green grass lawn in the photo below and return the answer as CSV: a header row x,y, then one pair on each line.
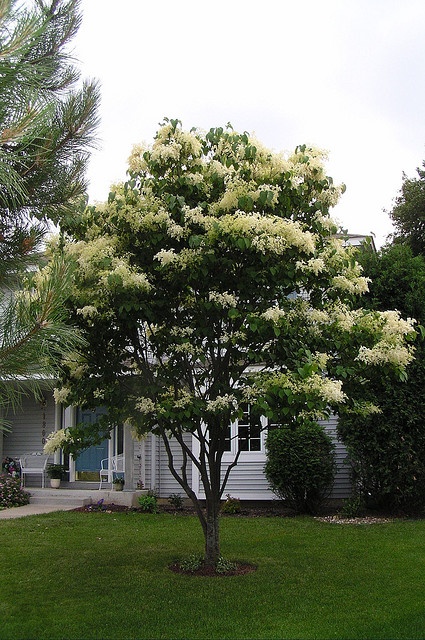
x,y
98,575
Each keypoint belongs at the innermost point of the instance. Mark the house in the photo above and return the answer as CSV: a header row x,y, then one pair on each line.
x,y
146,461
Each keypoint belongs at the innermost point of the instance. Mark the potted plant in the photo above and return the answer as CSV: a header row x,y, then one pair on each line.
x,y
118,483
56,473
11,467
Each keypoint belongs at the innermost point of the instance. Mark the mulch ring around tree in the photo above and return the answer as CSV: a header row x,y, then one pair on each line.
x,y
240,569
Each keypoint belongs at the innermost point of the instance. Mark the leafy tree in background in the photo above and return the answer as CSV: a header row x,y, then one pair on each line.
x,y
213,280
46,128
408,213
388,449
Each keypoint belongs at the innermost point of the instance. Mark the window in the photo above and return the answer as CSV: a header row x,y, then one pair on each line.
x,y
249,431
245,434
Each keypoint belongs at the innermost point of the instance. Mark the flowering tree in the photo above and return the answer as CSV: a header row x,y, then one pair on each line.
x,y
212,279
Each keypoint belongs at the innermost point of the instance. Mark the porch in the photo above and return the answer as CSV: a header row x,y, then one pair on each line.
x,y
80,494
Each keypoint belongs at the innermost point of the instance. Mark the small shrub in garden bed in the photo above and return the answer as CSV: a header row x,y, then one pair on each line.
x,y
148,503
176,501
231,505
11,493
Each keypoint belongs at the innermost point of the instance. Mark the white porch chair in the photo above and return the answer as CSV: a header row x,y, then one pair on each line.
x,y
33,464
110,468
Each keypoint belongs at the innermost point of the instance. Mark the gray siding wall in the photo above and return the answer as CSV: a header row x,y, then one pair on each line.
x,y
342,484
142,469
247,480
30,425
165,483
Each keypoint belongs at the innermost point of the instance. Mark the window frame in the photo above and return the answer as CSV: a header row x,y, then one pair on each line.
x,y
246,454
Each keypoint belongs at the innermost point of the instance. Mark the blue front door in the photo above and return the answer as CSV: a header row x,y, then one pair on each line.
x,y
87,465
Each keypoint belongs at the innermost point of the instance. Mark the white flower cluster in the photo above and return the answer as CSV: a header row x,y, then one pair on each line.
x,y
321,359
273,314
330,390
185,259
222,403
89,311
145,406
184,400
326,222
76,366
165,152
316,316
315,265
61,395
306,165
250,393
234,337
386,353
174,230
90,254
316,384
57,440
196,216
331,196
97,261
136,161
396,326
267,233
166,256
130,278
173,144
185,348
364,408
354,284
224,300
309,162
181,332
344,318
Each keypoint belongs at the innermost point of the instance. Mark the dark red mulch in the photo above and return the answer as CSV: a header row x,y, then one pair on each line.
x,y
254,511
242,568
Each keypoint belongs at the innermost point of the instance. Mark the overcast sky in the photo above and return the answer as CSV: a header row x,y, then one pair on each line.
x,y
345,75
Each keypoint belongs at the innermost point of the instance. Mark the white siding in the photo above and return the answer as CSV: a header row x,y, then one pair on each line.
x,y
247,480
342,484
152,466
31,424
166,484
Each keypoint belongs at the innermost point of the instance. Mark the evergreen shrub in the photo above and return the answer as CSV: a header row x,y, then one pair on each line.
x,y
300,466
387,453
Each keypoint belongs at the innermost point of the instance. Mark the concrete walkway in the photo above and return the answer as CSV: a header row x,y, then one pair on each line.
x,y
32,510
48,500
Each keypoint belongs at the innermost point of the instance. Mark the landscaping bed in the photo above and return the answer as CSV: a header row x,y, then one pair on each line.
x,y
329,514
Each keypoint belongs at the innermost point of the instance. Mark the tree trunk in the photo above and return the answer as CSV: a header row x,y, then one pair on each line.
x,y
212,532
